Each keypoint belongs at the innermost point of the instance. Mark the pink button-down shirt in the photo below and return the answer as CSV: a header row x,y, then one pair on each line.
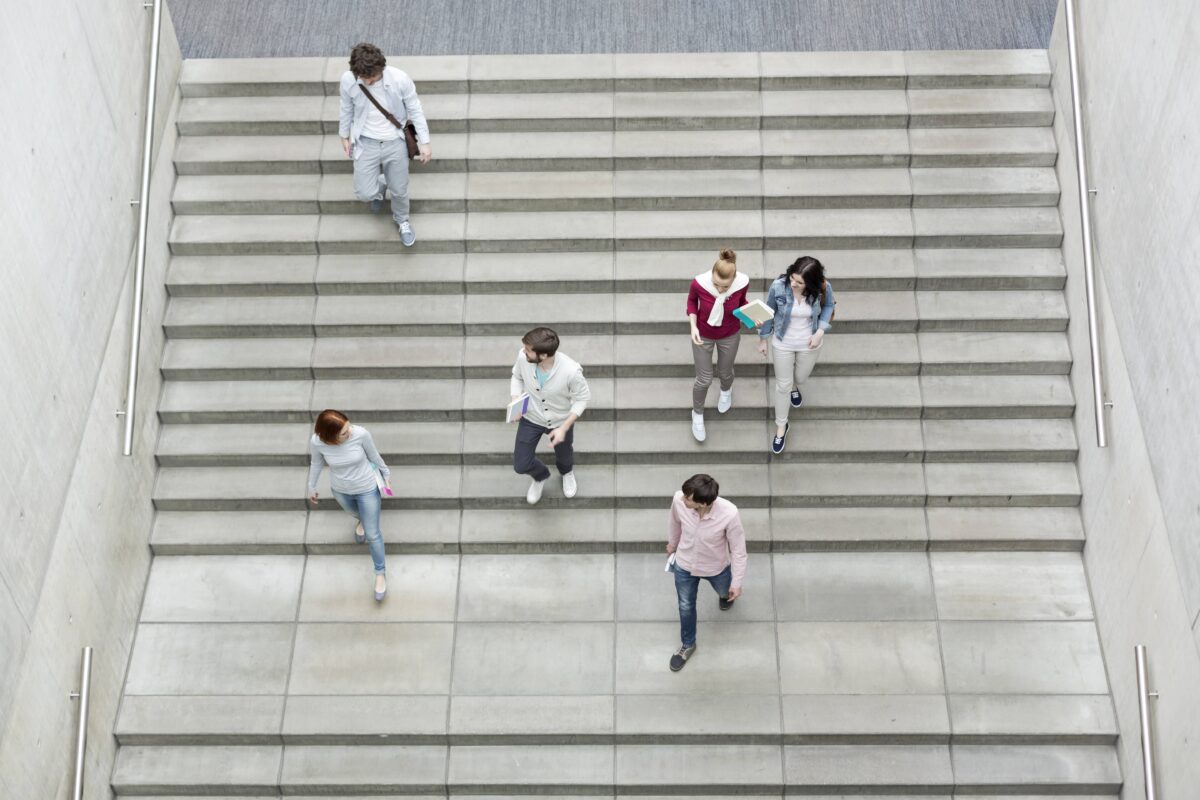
x,y
706,546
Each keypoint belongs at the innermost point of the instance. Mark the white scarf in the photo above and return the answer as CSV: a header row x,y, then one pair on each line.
x,y
740,281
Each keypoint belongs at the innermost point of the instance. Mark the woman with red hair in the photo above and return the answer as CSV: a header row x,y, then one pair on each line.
x,y
356,471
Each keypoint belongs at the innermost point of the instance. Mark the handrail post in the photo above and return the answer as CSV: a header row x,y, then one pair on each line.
x,y
84,694
1085,215
139,270
1144,695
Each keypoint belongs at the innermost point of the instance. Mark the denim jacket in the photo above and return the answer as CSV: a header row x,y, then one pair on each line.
x,y
781,298
395,91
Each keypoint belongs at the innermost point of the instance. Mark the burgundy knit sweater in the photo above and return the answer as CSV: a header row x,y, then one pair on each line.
x,y
700,303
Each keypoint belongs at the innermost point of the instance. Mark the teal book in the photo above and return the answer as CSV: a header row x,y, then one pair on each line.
x,y
754,313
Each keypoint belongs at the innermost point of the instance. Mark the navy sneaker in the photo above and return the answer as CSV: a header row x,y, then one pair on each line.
x,y
778,441
797,398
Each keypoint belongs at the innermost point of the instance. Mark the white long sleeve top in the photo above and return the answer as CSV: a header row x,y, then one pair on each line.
x,y
350,470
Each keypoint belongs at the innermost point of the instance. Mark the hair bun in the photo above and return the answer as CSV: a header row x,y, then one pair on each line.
x,y
728,255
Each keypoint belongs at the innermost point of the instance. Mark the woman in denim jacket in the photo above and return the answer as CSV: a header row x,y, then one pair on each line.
x,y
803,304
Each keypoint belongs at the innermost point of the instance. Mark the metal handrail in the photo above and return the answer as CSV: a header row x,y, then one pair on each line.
x,y
83,695
143,203
1144,695
1085,214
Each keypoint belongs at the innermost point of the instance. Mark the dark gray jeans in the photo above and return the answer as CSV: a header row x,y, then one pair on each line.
x,y
527,463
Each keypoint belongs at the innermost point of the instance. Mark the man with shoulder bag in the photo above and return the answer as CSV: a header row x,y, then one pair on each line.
x,y
382,127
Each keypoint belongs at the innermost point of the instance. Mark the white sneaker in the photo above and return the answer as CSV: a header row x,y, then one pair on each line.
x,y
407,237
535,492
698,427
570,486
725,402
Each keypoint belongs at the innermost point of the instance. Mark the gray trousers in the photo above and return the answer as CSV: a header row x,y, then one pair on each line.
x,y
727,349
382,165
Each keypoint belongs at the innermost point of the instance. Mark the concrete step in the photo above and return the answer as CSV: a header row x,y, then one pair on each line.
x,y
633,399
849,354
223,721
641,110
621,314
632,442
982,147
293,77
631,150
942,269
296,115
640,230
784,485
537,530
660,770
629,190
475,721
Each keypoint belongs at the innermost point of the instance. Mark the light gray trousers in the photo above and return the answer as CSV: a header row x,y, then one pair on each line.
x,y
382,165
792,369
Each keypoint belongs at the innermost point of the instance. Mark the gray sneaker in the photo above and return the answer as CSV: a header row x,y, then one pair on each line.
x,y
681,657
406,234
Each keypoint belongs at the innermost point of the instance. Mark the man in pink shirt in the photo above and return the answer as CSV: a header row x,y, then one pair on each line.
x,y
706,537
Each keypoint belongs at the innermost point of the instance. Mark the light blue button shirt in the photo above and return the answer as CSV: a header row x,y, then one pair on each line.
x,y
395,91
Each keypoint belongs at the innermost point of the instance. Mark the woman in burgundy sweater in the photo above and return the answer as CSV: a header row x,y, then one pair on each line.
x,y
712,297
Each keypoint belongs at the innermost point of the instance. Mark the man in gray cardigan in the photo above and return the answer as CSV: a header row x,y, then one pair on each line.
x,y
377,146
558,394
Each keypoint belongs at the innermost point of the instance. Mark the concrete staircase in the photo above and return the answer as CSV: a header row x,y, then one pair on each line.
x,y
916,620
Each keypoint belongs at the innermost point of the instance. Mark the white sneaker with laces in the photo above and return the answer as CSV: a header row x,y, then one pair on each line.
x,y
535,492
570,486
407,237
698,427
725,402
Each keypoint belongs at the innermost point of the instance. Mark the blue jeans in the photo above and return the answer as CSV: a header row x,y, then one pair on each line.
x,y
686,587
365,508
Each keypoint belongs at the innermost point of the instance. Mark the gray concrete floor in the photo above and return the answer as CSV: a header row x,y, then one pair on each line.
x,y
240,29
504,634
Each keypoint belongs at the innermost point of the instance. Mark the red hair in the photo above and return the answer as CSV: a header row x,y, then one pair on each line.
x,y
329,425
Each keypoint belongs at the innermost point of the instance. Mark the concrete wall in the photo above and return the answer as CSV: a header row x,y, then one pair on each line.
x,y
74,513
1140,71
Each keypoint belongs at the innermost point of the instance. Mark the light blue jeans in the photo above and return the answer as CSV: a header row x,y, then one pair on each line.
x,y
365,508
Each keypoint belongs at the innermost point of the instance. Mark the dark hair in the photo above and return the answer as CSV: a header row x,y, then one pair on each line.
x,y
812,272
329,425
542,341
701,489
366,60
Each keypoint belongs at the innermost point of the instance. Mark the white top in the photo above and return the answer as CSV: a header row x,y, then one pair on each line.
x,y
350,470
799,329
376,125
565,391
